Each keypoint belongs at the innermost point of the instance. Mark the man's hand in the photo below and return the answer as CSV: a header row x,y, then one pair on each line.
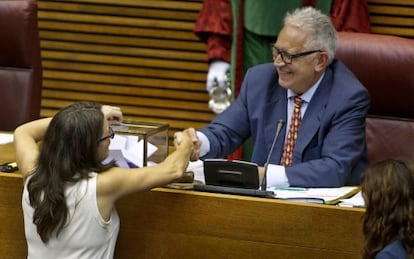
x,y
196,142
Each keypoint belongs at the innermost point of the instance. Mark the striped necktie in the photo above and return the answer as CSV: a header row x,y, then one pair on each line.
x,y
292,134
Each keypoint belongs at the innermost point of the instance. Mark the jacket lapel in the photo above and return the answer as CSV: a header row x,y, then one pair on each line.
x,y
311,122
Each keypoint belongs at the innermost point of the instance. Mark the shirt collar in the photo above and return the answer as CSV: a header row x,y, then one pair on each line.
x,y
306,96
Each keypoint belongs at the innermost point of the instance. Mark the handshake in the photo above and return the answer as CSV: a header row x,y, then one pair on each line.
x,y
180,137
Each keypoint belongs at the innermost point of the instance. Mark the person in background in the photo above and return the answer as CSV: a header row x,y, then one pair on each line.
x,y
330,147
227,24
238,34
388,223
69,194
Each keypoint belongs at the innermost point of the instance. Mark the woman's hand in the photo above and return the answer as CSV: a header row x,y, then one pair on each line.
x,y
195,154
112,113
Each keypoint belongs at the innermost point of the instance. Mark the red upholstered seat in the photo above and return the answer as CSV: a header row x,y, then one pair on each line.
x,y
385,65
20,64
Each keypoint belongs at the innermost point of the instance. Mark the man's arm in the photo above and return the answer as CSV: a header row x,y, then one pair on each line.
x,y
351,15
214,26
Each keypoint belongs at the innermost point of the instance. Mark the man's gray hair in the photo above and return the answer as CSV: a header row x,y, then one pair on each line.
x,y
322,32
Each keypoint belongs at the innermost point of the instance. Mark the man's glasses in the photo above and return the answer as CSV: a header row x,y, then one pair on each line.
x,y
288,58
111,135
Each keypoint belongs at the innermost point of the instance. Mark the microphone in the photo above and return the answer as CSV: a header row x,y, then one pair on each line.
x,y
280,124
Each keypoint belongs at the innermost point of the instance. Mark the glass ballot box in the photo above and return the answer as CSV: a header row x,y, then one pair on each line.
x,y
139,144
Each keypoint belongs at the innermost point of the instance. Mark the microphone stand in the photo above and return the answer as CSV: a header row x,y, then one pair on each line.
x,y
280,124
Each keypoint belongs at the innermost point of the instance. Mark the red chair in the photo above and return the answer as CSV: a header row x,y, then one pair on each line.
x,y
385,66
20,64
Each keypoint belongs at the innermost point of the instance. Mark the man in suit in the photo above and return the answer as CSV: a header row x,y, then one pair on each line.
x,y
330,148
238,33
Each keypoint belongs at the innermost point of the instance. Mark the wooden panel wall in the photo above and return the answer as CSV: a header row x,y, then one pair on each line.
x,y
143,56
139,55
395,17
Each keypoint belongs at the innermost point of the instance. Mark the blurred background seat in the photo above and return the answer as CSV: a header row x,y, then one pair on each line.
x,y
20,64
385,66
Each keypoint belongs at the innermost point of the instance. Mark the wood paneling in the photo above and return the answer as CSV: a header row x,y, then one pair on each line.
x,y
394,17
143,56
139,55
166,223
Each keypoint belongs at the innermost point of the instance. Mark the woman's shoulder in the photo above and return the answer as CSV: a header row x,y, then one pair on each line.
x,y
393,250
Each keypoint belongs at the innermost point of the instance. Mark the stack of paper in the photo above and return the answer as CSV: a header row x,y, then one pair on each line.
x,y
127,151
356,201
324,195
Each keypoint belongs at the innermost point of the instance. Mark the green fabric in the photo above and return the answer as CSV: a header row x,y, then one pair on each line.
x,y
256,51
324,6
265,17
235,12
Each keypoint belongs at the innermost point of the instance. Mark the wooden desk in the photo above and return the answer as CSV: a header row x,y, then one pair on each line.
x,y
166,223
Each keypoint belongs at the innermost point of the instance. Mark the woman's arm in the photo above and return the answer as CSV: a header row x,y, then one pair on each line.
x,y
26,138
118,182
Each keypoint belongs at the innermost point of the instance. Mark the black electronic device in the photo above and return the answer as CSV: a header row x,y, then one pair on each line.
x,y
8,167
231,177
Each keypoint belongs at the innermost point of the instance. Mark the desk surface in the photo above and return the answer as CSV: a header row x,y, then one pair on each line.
x,y
166,223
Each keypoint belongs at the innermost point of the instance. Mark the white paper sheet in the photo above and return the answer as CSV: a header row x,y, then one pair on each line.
x,y
6,138
127,149
355,201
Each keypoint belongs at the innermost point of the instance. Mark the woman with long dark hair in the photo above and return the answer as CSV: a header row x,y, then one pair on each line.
x,y
388,223
69,194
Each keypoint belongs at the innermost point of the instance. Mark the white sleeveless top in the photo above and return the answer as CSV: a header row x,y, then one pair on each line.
x,y
86,234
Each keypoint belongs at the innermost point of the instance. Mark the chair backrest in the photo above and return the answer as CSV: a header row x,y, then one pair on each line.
x,y
20,63
385,66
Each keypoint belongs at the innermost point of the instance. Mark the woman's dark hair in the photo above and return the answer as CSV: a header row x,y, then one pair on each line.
x,y
388,191
69,153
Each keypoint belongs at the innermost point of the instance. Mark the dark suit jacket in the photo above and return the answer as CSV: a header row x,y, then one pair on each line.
x,y
330,149
395,250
